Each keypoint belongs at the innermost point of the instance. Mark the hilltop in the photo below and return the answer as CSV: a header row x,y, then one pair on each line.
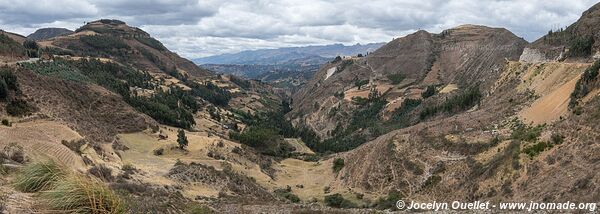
x,y
48,33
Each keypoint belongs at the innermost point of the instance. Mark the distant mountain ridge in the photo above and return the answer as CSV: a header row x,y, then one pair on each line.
x,y
284,55
47,33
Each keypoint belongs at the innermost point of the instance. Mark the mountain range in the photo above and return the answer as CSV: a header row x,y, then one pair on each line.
x,y
279,56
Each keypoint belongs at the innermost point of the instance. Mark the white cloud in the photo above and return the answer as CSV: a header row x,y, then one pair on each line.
x,y
197,28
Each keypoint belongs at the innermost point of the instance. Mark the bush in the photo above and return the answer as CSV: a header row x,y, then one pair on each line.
x,y
14,152
10,78
537,148
432,181
18,107
338,164
388,202
396,78
429,91
8,82
336,59
30,44
287,194
38,176
527,133
3,90
159,151
182,140
360,83
338,201
102,172
557,138
5,122
74,145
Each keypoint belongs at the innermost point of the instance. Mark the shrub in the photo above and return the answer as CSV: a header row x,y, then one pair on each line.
x,y
526,133
3,90
30,44
432,181
8,81
396,78
5,122
388,202
74,145
360,83
38,176
14,152
537,148
18,107
102,172
557,138
344,65
182,139
287,194
338,201
9,78
429,91
338,164
76,194
159,151
336,59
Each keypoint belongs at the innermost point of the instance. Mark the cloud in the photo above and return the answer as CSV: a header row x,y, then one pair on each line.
x,y
196,28
30,12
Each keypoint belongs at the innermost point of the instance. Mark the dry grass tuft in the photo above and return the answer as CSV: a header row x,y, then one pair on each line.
x,y
77,194
64,192
38,176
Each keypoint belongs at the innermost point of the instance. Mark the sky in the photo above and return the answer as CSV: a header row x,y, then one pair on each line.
x,y
198,28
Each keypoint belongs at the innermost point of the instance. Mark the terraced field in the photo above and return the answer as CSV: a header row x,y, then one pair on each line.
x,y
41,140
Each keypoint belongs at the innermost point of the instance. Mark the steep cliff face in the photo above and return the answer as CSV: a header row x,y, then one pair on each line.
x,y
458,58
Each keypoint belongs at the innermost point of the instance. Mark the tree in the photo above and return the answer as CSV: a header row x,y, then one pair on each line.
x,y
3,89
338,164
430,91
182,139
